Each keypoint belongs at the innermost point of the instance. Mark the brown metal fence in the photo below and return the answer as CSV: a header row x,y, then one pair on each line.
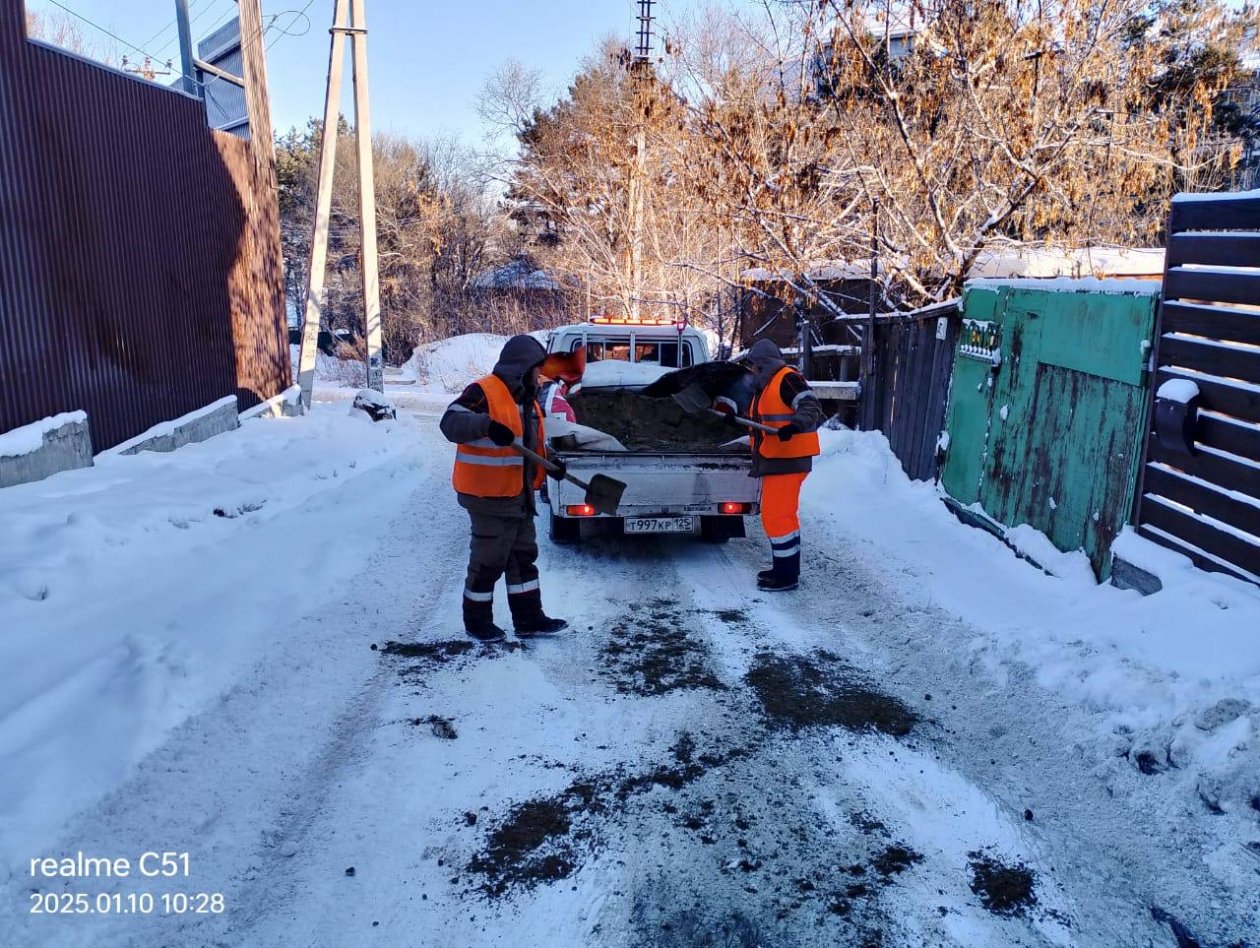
x,y
1200,490
140,273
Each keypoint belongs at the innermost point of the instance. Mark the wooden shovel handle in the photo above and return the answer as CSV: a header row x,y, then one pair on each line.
x,y
548,465
747,422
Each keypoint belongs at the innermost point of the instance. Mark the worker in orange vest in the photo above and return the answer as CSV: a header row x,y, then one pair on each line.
x,y
782,460
496,485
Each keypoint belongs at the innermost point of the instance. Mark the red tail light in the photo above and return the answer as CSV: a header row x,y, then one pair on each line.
x,y
580,510
729,507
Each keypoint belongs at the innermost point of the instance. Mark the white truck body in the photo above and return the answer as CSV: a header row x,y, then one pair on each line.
x,y
704,493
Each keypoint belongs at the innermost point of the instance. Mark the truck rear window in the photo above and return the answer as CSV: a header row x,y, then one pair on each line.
x,y
664,354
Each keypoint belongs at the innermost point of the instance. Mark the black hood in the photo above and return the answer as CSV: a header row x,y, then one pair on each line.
x,y
764,358
519,355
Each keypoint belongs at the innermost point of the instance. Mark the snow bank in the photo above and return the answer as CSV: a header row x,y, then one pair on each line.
x,y
1172,680
134,592
30,438
449,365
612,373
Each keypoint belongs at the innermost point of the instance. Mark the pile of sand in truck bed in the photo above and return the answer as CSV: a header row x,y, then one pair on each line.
x,y
639,422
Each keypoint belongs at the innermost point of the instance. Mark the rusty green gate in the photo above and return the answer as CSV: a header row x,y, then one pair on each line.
x,y
1048,400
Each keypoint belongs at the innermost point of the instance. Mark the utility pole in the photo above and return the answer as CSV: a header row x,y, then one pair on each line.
x,y
186,54
349,20
370,265
641,82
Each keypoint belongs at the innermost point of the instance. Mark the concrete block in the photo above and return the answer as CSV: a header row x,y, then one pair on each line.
x,y
1124,575
288,404
65,447
195,426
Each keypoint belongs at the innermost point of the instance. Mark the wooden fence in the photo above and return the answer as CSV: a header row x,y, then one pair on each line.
x,y
140,269
1200,489
906,392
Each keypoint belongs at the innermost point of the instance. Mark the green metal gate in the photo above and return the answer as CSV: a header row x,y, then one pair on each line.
x,y
1047,407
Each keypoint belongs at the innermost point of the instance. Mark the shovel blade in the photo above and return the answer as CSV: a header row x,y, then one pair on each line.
x,y
693,399
604,494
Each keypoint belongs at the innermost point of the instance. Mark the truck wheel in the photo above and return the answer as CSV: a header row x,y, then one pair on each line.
x,y
720,529
563,531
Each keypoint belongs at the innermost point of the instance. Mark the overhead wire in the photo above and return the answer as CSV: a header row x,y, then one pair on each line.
x,y
169,25
96,26
192,21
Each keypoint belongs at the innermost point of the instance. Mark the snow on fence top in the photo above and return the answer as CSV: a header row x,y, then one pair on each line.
x,y
1041,263
1072,285
1227,196
30,438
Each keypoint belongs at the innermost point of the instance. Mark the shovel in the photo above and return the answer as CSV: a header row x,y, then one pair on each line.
x,y
603,492
694,399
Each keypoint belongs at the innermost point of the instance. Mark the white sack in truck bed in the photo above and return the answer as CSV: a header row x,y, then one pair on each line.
x,y
568,436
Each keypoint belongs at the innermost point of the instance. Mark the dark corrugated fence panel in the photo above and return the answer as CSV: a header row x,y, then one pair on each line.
x,y
136,282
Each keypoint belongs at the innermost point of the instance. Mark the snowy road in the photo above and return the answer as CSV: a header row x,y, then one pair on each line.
x,y
692,764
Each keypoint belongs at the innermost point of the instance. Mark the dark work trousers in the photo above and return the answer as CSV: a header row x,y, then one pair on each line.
x,y
502,545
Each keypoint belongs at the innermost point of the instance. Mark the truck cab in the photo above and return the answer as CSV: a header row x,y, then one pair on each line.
x,y
656,342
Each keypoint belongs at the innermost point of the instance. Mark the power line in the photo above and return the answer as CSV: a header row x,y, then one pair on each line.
x,y
168,26
108,33
204,11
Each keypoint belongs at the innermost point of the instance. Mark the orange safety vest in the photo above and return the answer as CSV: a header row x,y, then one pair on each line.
x,y
483,468
770,409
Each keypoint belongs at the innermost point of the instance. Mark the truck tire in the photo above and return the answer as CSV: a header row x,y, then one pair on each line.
x,y
721,529
563,531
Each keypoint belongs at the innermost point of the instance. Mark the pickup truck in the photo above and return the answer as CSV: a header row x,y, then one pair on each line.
x,y
696,484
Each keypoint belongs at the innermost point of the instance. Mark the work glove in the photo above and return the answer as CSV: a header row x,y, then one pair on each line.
x,y
500,433
788,430
560,469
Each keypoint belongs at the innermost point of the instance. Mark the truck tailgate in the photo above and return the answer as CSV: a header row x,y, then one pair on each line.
x,y
660,483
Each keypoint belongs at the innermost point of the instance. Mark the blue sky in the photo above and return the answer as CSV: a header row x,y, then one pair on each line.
x,y
427,60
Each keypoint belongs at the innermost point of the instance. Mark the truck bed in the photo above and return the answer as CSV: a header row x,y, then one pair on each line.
x,y
663,484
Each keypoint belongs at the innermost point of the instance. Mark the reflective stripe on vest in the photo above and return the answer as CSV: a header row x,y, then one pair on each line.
x,y
483,468
770,409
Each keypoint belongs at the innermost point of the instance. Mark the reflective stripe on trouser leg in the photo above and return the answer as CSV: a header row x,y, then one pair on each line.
x,y
489,549
524,593
780,501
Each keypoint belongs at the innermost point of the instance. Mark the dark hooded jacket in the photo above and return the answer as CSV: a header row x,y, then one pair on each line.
x,y
468,418
765,359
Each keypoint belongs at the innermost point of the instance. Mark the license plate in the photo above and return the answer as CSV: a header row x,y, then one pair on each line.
x,y
660,524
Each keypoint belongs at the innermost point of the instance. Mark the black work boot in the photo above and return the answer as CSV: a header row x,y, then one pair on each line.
x,y
765,574
479,621
528,618
785,575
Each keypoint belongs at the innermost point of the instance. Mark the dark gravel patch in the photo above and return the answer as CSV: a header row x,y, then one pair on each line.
x,y
1003,889
425,656
527,847
652,652
821,691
